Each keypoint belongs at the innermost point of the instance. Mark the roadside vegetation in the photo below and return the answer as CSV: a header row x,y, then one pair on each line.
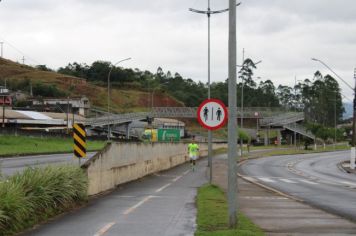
x,y
22,145
212,219
36,194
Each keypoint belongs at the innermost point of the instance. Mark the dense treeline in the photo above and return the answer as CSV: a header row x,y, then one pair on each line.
x,y
319,97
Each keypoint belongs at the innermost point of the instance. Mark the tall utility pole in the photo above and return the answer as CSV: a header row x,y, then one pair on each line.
x,y
295,103
232,124
354,101
210,136
354,106
23,60
2,49
67,115
242,97
354,117
242,101
3,111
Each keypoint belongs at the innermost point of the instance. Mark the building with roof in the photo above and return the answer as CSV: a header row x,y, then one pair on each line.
x,y
20,119
76,105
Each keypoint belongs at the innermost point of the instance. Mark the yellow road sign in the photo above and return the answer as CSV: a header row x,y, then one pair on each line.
x,y
79,136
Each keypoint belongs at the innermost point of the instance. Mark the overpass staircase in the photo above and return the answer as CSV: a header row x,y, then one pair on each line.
x,y
287,121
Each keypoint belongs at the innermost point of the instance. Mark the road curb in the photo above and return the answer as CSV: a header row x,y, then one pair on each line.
x,y
345,169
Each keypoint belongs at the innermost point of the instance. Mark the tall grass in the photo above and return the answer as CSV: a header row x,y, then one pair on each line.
x,y
32,196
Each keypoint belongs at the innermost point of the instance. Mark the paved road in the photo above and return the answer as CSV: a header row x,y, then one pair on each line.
x,y
10,166
161,204
314,178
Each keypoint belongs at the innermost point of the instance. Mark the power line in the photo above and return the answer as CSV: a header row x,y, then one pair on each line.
x,y
19,51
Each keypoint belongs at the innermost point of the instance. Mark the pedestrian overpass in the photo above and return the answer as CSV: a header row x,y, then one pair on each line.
x,y
268,118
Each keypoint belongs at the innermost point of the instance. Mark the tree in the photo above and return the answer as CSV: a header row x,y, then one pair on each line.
x,y
246,73
322,100
285,96
43,68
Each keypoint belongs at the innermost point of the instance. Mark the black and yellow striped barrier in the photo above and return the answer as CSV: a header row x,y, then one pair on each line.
x,y
79,136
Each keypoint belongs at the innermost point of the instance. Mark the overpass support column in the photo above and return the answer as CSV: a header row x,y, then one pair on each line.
x,y
127,130
266,137
279,137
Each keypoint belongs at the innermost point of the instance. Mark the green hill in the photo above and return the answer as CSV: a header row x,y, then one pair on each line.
x,y
46,83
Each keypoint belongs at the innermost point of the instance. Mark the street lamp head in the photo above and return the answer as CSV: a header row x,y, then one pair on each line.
x,y
126,59
314,59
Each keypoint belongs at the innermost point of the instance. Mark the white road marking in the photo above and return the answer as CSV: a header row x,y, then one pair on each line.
x,y
160,175
266,180
348,183
288,181
264,198
131,209
160,189
307,181
104,229
177,178
186,172
126,196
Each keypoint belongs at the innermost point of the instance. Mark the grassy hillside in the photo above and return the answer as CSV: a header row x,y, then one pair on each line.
x,y
123,100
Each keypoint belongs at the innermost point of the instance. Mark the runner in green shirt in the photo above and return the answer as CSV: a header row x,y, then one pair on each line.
x,y
193,151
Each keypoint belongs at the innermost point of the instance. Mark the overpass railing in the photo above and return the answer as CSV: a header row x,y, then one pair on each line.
x,y
280,120
299,129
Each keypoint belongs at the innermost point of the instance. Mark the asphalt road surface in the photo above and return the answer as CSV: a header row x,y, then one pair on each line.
x,y
11,165
160,204
314,178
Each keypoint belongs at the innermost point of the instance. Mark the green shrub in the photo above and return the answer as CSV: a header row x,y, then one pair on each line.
x,y
32,196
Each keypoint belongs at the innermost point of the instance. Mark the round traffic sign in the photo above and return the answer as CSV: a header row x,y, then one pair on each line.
x,y
212,114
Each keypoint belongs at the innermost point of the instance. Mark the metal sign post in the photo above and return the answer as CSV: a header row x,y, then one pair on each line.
x,y
212,115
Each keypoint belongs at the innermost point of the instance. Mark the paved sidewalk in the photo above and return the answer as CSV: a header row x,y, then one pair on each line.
x,y
278,215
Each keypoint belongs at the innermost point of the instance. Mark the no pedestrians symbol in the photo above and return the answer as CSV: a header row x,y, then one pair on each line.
x,y
212,114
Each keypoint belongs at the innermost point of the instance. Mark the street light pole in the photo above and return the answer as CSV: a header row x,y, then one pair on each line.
x,y
126,59
3,111
354,107
354,101
242,103
354,115
335,122
210,136
242,97
2,49
232,123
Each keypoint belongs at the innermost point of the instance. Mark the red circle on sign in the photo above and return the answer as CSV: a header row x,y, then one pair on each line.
x,y
222,105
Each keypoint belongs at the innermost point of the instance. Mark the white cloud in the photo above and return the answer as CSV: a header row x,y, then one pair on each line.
x,y
283,34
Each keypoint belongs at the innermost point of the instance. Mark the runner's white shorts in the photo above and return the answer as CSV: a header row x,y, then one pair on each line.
x,y
193,157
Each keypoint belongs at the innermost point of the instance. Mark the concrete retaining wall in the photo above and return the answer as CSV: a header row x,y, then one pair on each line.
x,y
119,163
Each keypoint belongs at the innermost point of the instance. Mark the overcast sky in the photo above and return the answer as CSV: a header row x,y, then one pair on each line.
x,y
284,34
